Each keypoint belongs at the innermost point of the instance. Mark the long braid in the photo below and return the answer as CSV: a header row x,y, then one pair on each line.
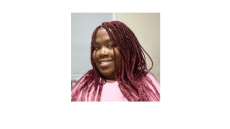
x,y
128,42
128,88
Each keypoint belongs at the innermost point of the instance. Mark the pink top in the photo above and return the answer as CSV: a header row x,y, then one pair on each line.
x,y
111,90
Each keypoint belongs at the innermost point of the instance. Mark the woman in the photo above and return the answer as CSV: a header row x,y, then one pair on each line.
x,y
119,68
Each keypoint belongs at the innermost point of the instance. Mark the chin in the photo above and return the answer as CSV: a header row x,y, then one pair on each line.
x,y
108,74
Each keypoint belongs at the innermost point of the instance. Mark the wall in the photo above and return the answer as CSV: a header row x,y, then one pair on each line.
x,y
146,27
82,27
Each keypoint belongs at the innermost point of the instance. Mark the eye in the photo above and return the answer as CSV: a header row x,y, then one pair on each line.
x,y
96,48
111,45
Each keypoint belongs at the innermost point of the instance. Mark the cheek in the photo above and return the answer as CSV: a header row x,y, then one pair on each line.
x,y
111,53
118,58
118,55
94,55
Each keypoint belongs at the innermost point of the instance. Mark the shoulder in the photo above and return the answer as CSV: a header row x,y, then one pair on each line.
x,y
84,78
78,82
154,81
82,83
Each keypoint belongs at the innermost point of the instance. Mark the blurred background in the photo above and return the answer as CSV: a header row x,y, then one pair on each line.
x,y
146,27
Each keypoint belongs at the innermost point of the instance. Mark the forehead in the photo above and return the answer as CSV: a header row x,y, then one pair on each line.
x,y
102,35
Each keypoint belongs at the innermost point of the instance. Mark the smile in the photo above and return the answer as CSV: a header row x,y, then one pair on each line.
x,y
105,63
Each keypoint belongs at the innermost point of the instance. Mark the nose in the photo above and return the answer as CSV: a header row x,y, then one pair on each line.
x,y
104,51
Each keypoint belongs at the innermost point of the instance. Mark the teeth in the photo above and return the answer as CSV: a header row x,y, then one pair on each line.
x,y
106,62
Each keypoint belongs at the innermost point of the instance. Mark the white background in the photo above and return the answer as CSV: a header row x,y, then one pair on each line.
x,y
35,68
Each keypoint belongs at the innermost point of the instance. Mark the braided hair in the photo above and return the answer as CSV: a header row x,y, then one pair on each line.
x,y
132,79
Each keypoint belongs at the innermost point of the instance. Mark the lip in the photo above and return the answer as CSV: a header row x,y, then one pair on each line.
x,y
106,63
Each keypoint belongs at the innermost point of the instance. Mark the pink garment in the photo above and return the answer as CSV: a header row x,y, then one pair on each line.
x,y
111,90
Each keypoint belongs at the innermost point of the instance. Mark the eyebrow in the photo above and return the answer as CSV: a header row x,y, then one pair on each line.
x,y
106,41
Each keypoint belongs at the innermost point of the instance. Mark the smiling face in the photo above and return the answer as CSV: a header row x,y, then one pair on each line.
x,y
103,54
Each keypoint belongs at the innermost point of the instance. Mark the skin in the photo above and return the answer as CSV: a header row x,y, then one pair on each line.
x,y
103,51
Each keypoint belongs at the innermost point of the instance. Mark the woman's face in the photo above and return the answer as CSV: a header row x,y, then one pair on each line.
x,y
103,54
